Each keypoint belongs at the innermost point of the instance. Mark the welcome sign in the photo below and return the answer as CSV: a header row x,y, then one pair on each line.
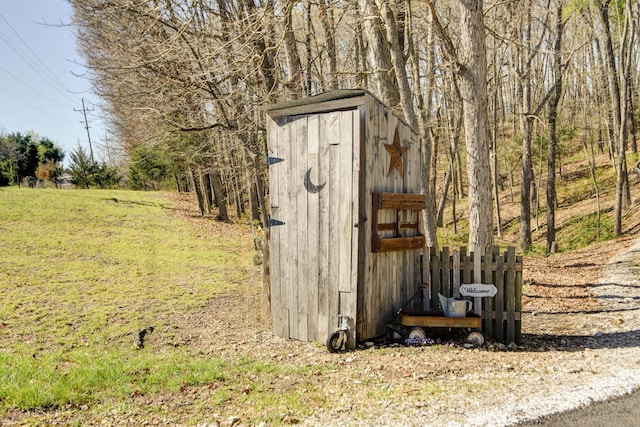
x,y
478,290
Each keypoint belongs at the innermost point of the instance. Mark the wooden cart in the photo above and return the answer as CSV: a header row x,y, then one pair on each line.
x,y
414,323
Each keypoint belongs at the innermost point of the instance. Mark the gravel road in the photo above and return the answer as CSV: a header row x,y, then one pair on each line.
x,y
621,286
621,412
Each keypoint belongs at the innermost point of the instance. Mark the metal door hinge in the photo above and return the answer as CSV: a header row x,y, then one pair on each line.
x,y
273,160
274,222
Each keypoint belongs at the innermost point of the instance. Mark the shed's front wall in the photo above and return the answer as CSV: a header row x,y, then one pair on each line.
x,y
314,192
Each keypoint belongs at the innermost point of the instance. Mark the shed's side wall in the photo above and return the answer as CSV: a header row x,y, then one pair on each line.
x,y
314,254
388,279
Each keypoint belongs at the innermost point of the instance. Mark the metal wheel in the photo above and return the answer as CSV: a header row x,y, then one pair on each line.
x,y
476,338
417,334
336,341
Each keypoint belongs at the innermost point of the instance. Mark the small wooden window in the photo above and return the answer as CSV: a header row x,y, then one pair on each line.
x,y
404,232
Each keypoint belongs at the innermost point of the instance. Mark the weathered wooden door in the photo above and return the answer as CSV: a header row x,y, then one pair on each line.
x,y
313,196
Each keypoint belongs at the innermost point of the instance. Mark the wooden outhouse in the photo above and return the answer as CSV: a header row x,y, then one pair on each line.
x,y
345,197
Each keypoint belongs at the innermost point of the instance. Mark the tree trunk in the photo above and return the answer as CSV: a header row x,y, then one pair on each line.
x,y
195,183
526,126
328,27
553,138
495,172
631,118
473,89
609,56
295,82
443,196
208,190
591,158
622,179
399,67
378,55
221,199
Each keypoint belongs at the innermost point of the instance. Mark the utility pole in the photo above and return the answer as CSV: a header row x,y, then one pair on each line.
x,y
86,125
106,143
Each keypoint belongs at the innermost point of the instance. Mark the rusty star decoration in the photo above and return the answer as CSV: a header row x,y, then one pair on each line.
x,y
396,152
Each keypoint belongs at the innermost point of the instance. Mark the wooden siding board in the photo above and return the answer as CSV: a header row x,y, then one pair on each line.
x,y
345,201
477,278
275,232
456,274
446,267
499,299
282,312
355,215
364,238
367,287
323,230
488,302
395,259
510,294
518,302
302,261
313,226
290,219
334,185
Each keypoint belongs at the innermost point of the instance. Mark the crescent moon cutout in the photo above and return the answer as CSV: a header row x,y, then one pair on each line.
x,y
310,186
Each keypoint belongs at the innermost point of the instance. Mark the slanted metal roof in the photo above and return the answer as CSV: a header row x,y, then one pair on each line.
x,y
333,95
334,100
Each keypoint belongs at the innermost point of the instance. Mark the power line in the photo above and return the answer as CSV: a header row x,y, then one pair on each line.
x,y
86,125
48,113
60,88
32,88
35,55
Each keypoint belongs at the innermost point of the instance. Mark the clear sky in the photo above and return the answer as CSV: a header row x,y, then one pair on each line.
x,y
40,76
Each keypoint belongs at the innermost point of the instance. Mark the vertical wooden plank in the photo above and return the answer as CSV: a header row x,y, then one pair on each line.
x,y
488,301
467,265
499,299
324,168
302,228
518,297
364,232
344,220
356,237
397,259
446,271
510,294
291,222
279,293
456,274
274,139
335,259
384,183
288,230
371,291
313,226
435,280
477,277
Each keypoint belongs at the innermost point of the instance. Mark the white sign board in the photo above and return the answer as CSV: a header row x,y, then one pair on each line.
x,y
478,290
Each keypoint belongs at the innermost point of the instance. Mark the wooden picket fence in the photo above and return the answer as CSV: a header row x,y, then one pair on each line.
x,y
502,313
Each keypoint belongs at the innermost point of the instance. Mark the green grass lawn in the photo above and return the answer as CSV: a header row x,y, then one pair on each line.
x,y
80,272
